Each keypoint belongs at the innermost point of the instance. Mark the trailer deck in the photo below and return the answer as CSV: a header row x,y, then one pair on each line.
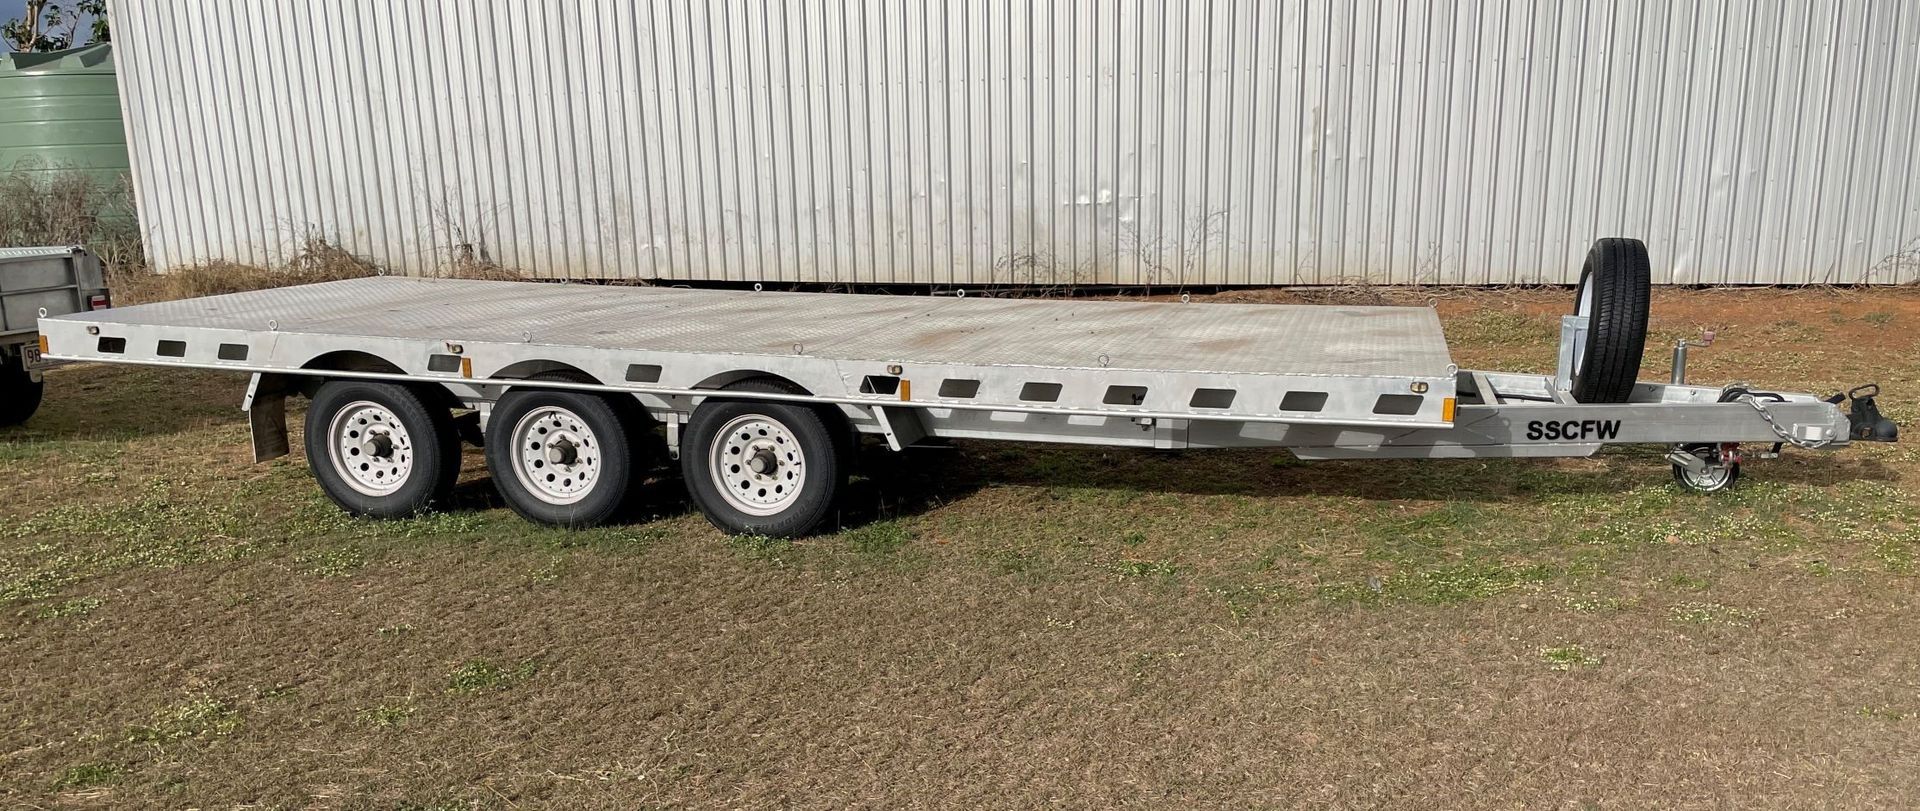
x,y
1331,364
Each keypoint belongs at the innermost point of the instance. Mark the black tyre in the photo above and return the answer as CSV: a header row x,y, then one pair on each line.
x,y
1614,286
561,458
380,450
19,392
759,467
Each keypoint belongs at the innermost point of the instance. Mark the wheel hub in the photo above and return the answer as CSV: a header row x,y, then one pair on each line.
x,y
764,464
377,446
370,448
556,457
757,464
562,451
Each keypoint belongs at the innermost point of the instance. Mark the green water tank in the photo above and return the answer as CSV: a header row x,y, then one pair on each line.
x,y
61,110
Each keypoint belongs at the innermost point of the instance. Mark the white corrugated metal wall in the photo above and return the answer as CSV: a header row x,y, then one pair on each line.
x,y
977,142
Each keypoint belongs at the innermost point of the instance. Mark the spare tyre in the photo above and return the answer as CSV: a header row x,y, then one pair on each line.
x,y
1613,292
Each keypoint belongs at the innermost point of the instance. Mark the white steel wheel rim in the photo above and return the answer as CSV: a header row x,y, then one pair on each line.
x,y
370,448
757,465
556,456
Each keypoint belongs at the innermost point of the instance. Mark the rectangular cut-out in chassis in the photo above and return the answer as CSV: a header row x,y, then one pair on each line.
x,y
1326,381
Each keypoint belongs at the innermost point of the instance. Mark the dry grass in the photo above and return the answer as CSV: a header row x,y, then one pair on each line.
x,y
78,208
318,260
69,208
992,626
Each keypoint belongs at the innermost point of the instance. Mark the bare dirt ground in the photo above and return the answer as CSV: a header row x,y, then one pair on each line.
x,y
994,625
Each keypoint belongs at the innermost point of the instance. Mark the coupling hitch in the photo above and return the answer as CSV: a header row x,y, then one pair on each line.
x,y
1863,416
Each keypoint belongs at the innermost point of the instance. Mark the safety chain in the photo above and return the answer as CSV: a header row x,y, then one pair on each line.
x,y
1747,396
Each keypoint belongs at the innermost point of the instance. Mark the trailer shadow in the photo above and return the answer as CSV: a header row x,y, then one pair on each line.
x,y
896,484
888,485
659,497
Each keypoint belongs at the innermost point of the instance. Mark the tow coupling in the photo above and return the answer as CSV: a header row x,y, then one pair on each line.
x,y
1863,416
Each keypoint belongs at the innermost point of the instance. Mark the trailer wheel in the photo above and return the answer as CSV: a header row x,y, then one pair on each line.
x,y
759,467
560,458
1614,288
379,450
19,392
1720,474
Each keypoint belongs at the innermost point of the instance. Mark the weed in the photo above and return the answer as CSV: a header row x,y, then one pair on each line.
x,y
387,716
1010,561
1134,538
477,675
1896,553
1146,665
37,585
1885,713
1144,568
392,631
1878,318
761,547
1370,591
1594,603
1695,613
878,538
1819,568
1467,581
1244,599
439,805
1568,657
340,562
88,775
197,717
78,607
1687,581
550,571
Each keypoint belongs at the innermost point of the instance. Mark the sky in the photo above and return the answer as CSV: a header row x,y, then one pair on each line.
x,y
14,9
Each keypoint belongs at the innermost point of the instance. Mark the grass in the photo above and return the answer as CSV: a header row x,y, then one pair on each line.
x,y
184,628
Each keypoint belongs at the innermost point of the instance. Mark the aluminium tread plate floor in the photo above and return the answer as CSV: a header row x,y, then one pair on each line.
x,y
1062,333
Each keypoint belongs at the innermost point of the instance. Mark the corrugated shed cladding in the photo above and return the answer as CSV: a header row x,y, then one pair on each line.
x,y
988,142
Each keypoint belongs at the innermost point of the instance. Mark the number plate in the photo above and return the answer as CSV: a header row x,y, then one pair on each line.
x,y
30,358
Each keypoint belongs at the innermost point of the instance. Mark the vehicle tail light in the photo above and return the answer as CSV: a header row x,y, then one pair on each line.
x,y
99,301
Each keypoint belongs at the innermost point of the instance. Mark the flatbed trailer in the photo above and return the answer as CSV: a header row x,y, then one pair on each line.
x,y
761,395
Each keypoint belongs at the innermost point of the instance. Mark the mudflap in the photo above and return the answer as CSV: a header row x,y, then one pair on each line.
x,y
266,407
